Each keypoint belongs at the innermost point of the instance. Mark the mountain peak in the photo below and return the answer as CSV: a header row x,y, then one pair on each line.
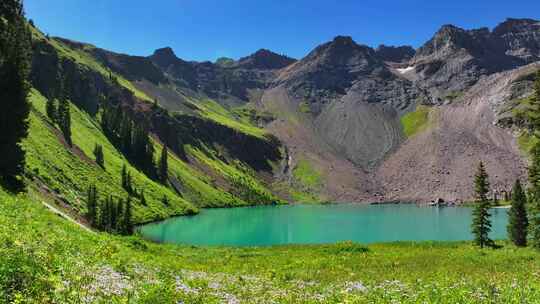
x,y
512,25
344,40
164,56
265,60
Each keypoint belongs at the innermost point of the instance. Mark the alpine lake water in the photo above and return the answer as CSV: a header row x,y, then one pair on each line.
x,y
319,224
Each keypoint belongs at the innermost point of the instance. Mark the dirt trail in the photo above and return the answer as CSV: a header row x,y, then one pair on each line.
x,y
67,217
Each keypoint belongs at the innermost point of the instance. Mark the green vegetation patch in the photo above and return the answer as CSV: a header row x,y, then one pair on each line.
x,y
305,173
210,109
526,142
69,173
243,183
416,121
46,259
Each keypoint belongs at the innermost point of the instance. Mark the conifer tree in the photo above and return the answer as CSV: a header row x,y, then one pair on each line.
x,y
92,202
534,222
15,56
534,192
164,166
98,153
124,177
111,210
119,216
127,223
481,225
51,109
103,214
64,120
165,200
129,185
517,217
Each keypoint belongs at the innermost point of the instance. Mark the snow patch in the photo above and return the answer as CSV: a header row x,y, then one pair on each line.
x,y
405,70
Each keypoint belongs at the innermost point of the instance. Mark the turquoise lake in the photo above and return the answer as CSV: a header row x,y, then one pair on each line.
x,y
318,224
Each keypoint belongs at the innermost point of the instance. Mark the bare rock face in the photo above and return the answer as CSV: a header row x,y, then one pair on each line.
x,y
337,68
354,99
265,60
455,59
520,38
399,54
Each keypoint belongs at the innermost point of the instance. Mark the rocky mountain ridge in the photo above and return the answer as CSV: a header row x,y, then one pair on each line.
x,y
357,115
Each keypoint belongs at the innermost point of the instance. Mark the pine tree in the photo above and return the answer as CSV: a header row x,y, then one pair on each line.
x,y
127,223
119,216
481,225
103,214
534,223
92,202
124,177
64,120
15,56
517,217
51,108
98,153
129,185
534,196
164,166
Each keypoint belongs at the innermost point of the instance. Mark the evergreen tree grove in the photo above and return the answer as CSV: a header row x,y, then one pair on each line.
x,y
481,224
517,217
15,55
131,138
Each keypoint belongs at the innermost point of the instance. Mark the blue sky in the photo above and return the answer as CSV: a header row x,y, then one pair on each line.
x,y
208,29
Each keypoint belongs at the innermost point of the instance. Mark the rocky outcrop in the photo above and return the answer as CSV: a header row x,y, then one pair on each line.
x,y
455,59
399,54
265,60
520,38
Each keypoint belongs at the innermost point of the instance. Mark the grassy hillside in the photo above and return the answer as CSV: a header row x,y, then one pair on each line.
x,y
210,109
45,259
68,173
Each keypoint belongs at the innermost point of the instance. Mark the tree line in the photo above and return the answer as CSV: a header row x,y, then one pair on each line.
x,y
58,110
131,138
110,215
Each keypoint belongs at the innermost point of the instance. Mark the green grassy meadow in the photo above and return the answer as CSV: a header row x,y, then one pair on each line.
x,y
45,259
